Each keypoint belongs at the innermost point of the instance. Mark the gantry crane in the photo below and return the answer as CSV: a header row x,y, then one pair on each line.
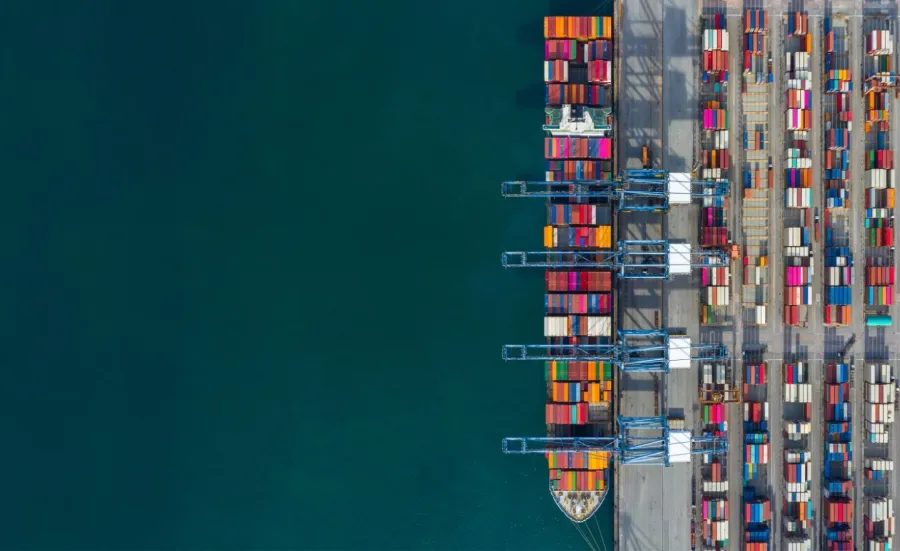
x,y
647,190
636,259
658,352
641,440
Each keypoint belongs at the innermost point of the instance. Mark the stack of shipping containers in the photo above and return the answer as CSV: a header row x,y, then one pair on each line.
x,y
880,181
880,393
838,459
714,157
756,171
838,126
798,261
715,379
797,508
578,303
757,504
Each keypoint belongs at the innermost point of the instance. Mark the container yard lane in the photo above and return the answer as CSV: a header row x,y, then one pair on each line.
x,y
857,218
640,504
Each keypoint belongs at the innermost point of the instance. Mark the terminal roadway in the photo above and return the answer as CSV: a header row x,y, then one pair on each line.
x,y
657,106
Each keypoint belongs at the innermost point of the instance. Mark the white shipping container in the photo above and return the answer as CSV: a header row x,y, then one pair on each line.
x,y
599,326
878,373
555,326
796,497
800,83
720,374
797,251
715,487
712,173
880,178
721,140
875,428
801,393
880,508
793,487
797,544
758,315
715,39
880,464
707,374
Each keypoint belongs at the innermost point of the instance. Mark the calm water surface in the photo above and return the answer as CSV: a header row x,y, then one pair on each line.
x,y
252,294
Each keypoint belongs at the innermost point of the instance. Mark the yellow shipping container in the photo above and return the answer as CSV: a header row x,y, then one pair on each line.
x,y
598,460
604,237
889,198
548,236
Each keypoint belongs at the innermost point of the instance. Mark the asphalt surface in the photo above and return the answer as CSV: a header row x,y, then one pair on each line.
x,y
657,106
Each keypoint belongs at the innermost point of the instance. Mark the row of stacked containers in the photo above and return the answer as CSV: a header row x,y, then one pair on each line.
x,y
838,475
756,171
714,379
798,508
716,282
880,403
757,505
838,126
798,260
880,179
578,304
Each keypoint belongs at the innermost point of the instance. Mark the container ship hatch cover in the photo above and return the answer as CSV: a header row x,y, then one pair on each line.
x,y
578,303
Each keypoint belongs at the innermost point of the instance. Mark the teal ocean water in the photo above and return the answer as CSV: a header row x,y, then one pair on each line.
x,y
252,296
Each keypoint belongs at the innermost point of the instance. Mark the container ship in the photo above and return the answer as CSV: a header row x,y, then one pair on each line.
x,y
578,304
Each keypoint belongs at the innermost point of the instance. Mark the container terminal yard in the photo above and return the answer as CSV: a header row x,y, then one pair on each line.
x,y
718,261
